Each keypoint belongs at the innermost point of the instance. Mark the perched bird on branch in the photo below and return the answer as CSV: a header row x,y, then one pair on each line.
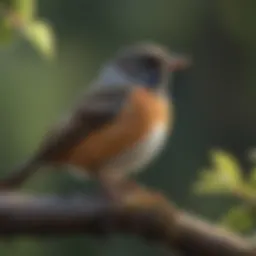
x,y
118,126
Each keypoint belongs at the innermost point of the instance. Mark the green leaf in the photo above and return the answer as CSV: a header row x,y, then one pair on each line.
x,y
26,9
249,188
209,183
41,36
223,177
239,218
227,168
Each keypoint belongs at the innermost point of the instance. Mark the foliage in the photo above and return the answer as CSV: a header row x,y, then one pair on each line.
x,y
225,177
18,19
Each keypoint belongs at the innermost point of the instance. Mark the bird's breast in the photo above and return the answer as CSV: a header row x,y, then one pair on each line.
x,y
131,139
134,158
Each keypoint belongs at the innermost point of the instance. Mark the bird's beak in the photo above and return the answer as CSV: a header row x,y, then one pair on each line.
x,y
177,63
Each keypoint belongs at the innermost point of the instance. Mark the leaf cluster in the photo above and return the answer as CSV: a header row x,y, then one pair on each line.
x,y
18,19
225,177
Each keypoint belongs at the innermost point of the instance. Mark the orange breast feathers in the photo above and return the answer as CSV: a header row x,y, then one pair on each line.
x,y
143,111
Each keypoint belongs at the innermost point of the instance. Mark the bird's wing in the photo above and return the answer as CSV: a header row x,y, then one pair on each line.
x,y
99,106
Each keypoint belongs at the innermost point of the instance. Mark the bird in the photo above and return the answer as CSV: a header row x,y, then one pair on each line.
x,y
117,126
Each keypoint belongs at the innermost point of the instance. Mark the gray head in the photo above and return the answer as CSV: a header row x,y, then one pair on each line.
x,y
144,64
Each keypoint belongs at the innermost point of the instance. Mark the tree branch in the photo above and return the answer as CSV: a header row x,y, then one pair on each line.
x,y
141,212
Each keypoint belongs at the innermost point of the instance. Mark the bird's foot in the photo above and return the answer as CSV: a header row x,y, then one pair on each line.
x,y
123,192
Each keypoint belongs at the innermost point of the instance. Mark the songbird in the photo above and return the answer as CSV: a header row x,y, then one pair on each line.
x,y
119,125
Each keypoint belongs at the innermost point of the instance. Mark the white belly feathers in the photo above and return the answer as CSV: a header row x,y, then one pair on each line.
x,y
136,157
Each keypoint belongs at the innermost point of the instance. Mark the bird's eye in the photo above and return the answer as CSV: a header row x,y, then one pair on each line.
x,y
150,63
149,70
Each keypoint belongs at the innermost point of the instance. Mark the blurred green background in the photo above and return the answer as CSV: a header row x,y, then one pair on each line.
x,y
215,99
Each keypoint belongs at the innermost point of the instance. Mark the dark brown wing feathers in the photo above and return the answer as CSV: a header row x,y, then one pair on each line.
x,y
98,107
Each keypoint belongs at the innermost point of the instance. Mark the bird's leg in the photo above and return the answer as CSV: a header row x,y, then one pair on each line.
x,y
117,187
110,185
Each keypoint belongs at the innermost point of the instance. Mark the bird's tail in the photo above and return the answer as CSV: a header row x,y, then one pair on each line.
x,y
19,175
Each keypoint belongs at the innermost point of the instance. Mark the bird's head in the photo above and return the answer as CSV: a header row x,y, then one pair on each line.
x,y
144,64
